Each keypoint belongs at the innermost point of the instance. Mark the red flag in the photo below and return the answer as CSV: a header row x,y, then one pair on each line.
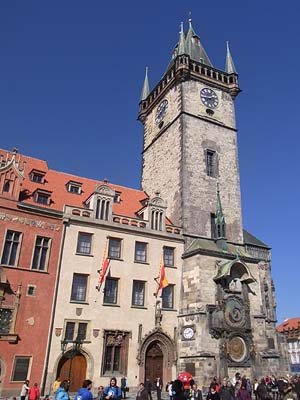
x,y
103,271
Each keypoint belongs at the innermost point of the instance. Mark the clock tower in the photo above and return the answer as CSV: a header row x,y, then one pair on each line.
x,y
227,305
190,139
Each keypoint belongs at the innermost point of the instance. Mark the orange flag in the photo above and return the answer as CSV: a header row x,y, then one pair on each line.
x,y
163,281
103,271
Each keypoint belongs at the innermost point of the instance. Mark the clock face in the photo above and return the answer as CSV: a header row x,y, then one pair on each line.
x,y
209,98
161,111
234,313
188,333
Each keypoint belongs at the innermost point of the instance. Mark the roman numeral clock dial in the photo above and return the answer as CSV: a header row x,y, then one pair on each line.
x,y
209,98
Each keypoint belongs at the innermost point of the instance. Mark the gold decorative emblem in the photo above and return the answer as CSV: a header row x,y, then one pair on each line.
x,y
237,349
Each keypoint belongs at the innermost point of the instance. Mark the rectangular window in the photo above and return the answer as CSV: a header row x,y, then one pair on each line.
x,y
114,248
20,369
211,163
168,297
213,227
82,328
271,343
74,330
6,315
70,330
111,291
41,253
84,243
42,198
74,187
79,287
37,178
169,256
11,248
140,254
138,293
115,352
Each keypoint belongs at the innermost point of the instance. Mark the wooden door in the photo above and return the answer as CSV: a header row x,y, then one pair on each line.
x,y
73,369
154,364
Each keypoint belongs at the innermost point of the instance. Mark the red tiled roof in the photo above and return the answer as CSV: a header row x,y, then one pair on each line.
x,y
288,324
55,182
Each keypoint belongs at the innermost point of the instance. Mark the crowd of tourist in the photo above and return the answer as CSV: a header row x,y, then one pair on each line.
x,y
237,388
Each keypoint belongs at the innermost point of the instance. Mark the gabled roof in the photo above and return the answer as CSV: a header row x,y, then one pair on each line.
x,y
252,240
55,182
289,324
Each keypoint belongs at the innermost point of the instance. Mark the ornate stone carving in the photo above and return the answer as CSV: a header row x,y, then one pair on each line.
x,y
28,221
167,346
105,190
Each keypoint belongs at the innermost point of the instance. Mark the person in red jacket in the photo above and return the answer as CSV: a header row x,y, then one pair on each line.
x,y
34,392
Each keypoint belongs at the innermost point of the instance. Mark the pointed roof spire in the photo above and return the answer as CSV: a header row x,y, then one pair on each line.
x,y
194,47
181,43
220,219
230,67
145,90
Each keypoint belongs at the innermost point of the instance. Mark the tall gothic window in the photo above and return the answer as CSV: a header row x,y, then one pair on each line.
x,y
115,352
168,297
41,253
211,163
140,254
11,248
111,291
102,209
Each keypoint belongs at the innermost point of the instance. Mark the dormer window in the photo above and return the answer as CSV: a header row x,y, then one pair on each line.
x,y
117,197
103,199
42,197
74,187
37,176
157,213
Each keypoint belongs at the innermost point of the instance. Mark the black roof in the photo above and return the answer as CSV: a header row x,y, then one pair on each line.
x,y
252,240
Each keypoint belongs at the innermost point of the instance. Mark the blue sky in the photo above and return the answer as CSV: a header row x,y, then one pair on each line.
x,y
70,79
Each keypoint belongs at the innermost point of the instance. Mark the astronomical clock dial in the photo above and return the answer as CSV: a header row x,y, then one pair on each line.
x,y
209,98
237,349
234,313
188,333
161,111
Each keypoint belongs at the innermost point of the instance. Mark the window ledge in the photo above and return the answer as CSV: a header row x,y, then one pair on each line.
x,y
111,305
141,262
115,258
79,302
168,309
140,307
9,337
170,266
84,254
24,269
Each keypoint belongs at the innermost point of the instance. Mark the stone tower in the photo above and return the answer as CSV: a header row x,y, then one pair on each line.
x,y
190,139
227,313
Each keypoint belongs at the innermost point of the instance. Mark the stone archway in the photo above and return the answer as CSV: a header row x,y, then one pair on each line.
x,y
157,351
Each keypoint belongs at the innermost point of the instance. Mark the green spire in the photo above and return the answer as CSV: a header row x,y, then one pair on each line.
x,y
181,43
145,90
229,68
194,47
219,220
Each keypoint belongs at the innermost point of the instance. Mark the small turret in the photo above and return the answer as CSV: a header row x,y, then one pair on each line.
x,y
181,43
145,90
229,67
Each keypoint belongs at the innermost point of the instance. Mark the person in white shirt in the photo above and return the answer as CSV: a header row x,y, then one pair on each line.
x,y
24,390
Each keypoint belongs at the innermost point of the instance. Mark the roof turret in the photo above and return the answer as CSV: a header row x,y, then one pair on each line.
x,y
194,47
229,67
145,90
